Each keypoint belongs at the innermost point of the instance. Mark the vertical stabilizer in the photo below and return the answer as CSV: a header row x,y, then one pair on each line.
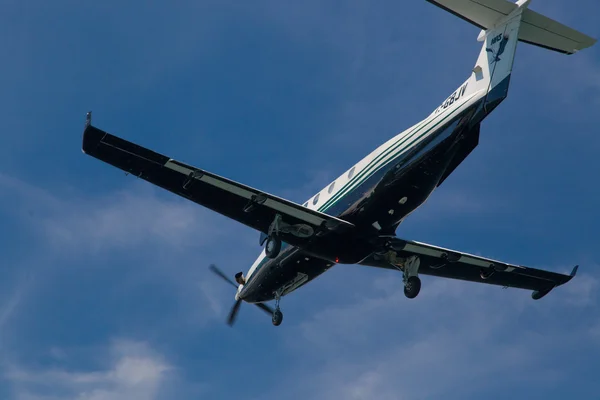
x,y
503,25
495,62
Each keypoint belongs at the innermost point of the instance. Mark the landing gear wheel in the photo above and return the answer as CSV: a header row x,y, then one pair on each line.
x,y
273,246
277,317
412,287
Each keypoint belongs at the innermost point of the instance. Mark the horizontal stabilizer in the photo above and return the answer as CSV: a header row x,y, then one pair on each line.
x,y
535,29
481,13
542,31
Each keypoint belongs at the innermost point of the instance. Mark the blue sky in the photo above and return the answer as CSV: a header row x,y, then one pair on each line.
x,y
105,292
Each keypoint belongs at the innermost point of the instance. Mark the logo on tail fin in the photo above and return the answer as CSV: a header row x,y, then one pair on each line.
x,y
496,54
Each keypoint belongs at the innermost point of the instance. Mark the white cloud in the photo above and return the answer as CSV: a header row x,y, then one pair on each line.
x,y
127,218
383,346
594,332
8,308
388,347
135,371
581,290
12,294
176,238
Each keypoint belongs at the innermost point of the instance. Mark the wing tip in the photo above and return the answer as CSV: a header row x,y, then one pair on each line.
x,y
574,271
538,294
91,136
88,123
570,276
88,118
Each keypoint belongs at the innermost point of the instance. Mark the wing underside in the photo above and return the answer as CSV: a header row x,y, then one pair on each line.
x,y
438,261
242,203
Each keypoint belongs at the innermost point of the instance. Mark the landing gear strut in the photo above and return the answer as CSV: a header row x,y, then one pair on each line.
x,y
279,228
277,314
410,271
412,283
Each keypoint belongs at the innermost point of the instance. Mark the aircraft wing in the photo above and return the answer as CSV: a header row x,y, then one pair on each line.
x,y
446,263
242,203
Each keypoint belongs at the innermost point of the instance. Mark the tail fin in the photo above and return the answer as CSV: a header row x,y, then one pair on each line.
x,y
503,25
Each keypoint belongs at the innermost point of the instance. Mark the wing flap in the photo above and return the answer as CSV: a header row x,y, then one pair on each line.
x,y
447,263
242,203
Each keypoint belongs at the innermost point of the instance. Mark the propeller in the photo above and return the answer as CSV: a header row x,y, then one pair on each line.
x,y
236,306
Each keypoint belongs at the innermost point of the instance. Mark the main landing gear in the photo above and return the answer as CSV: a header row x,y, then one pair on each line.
x,y
277,318
410,271
279,226
412,287
412,282
273,244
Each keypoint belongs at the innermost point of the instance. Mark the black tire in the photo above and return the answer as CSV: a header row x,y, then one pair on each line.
x,y
412,287
277,318
273,246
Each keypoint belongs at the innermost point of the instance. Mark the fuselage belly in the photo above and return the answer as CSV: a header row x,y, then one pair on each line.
x,y
376,205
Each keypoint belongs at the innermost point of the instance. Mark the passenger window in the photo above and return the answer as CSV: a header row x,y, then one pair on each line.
x,y
305,204
331,187
351,173
316,199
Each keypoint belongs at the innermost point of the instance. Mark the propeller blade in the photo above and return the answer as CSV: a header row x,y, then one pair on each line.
x,y
236,306
265,307
217,271
233,312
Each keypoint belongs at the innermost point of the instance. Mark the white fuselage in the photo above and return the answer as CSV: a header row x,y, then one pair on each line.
x,y
378,158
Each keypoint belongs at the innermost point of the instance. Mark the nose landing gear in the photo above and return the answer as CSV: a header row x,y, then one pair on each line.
x,y
277,318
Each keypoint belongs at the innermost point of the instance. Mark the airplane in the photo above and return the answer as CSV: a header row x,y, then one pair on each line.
x,y
354,219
